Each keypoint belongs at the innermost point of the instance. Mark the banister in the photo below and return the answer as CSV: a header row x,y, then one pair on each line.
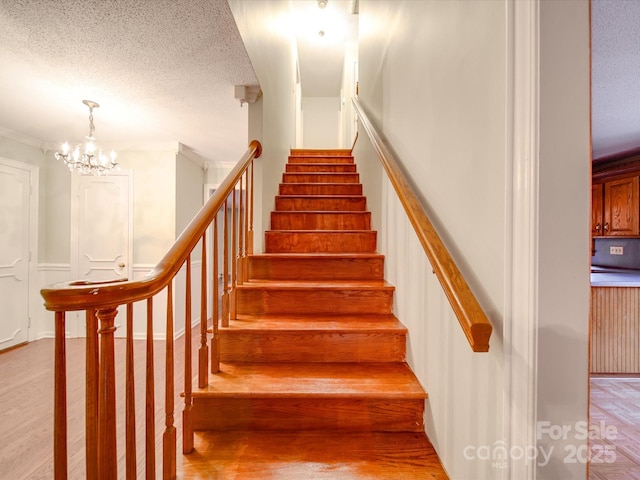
x,y
70,296
472,318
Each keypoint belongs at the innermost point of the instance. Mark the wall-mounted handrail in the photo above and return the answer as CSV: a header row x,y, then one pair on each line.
x,y
472,318
101,300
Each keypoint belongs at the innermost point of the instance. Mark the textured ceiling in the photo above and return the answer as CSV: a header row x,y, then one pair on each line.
x,y
615,76
162,70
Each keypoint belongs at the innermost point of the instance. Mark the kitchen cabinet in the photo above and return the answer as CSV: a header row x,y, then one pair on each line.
x,y
615,208
597,208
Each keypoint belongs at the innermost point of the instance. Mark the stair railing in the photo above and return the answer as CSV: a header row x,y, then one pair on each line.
x,y
100,301
472,318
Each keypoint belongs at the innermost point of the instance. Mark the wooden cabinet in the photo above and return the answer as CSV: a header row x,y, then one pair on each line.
x,y
615,208
597,208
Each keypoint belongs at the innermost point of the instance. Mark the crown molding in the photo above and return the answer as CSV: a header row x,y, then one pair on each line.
x,y
193,156
22,138
227,165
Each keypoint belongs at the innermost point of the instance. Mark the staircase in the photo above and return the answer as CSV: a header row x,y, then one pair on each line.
x,y
313,381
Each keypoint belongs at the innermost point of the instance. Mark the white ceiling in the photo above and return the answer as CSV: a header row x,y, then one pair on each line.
x,y
163,71
321,57
615,76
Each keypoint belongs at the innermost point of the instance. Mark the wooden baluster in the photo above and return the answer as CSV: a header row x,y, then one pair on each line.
x,y
203,353
245,268
215,344
169,436
60,400
250,205
150,403
225,254
130,418
187,432
107,448
234,263
241,252
91,394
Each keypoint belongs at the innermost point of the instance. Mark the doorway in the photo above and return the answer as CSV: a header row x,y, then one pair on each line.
x,y
18,249
101,233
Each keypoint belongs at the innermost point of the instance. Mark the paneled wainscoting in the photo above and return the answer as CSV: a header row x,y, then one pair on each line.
x,y
615,330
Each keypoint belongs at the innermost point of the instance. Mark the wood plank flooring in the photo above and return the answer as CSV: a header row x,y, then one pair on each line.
x,y
615,401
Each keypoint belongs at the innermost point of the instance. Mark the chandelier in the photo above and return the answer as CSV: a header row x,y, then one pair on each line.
x,y
88,158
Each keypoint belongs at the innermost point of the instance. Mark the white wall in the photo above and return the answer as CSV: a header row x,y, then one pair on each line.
x,y
564,231
321,119
435,78
154,203
271,48
189,198
155,223
439,97
348,91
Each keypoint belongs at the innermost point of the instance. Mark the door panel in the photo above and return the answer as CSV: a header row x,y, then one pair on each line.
x,y
103,233
103,222
14,255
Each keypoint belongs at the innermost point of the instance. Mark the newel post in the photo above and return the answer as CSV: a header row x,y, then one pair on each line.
x,y
107,448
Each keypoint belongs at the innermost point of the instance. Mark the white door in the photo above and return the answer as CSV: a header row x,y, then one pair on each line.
x,y
102,241
14,255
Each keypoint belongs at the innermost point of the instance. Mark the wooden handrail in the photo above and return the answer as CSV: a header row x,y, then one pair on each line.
x,y
473,320
70,296
101,299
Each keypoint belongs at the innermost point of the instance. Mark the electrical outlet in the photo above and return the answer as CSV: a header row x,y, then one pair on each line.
x,y
616,250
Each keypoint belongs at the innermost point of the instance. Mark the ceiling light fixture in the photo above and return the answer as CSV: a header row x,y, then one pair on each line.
x,y
322,3
88,159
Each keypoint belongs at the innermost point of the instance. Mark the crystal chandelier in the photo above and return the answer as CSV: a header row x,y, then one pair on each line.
x,y
88,159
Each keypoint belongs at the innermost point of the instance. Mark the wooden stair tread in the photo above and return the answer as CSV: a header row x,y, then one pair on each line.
x,y
333,152
320,220
314,285
320,188
322,212
314,255
386,380
333,231
320,168
335,241
320,177
319,184
317,323
320,455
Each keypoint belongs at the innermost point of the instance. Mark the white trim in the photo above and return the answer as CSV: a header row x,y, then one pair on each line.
x,y
21,137
123,147
54,267
189,154
521,266
224,164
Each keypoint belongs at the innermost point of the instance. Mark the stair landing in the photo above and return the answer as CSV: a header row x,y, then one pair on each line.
x,y
318,455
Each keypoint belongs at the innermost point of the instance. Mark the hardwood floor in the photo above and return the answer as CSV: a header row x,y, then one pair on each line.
x,y
26,407
26,430
615,401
